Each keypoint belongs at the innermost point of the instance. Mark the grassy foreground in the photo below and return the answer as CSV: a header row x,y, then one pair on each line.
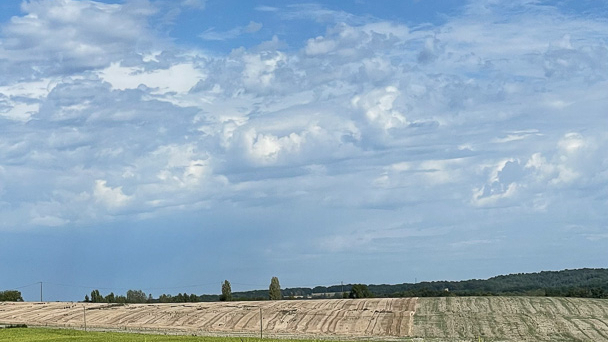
x,y
59,335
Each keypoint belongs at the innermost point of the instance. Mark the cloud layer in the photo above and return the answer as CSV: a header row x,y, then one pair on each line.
x,y
394,136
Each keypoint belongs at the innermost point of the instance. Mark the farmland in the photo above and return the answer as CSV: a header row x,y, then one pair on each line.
x,y
513,318
338,318
418,319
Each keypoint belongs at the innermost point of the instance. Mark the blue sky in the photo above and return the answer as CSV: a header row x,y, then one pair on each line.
x,y
169,145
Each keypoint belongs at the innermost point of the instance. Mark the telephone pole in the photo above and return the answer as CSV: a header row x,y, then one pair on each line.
x,y
40,291
261,323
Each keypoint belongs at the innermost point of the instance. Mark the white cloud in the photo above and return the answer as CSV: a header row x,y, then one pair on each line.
x,y
212,34
266,148
198,4
378,106
259,68
266,9
319,46
20,111
253,27
369,115
49,221
178,78
68,36
35,90
504,181
112,198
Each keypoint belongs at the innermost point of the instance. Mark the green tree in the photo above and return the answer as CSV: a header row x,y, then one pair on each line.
x,y
136,296
226,291
11,296
96,297
86,298
360,291
274,290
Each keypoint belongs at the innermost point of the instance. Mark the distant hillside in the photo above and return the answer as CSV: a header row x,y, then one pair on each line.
x,y
589,283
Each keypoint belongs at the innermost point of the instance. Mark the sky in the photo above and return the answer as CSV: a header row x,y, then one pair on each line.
x,y
171,145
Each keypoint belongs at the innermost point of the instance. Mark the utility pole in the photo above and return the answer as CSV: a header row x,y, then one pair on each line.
x,y
342,283
261,323
85,317
40,291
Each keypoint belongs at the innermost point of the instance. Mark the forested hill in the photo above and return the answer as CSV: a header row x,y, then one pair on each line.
x,y
573,283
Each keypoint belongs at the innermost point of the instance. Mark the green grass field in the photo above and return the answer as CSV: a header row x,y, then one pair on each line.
x,y
58,335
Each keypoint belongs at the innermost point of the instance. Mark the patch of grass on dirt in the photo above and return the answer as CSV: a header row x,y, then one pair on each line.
x,y
60,335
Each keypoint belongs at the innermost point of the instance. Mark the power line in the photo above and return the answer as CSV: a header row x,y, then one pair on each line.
x,y
160,288
24,286
124,288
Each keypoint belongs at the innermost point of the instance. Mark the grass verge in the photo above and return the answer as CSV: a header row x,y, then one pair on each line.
x,y
59,335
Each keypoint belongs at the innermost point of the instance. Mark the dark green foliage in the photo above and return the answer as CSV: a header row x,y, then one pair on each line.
x,y
136,296
179,298
11,296
96,297
14,326
360,291
591,283
226,291
111,298
274,290
164,298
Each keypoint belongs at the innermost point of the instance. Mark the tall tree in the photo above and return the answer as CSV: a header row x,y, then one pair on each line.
x,y
274,290
136,296
360,291
226,291
96,297
11,296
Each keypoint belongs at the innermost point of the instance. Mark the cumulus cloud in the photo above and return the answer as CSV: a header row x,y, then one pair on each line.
x,y
112,198
178,78
378,108
70,36
370,115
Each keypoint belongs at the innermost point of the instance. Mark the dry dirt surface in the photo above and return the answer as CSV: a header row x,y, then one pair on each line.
x,y
511,319
384,318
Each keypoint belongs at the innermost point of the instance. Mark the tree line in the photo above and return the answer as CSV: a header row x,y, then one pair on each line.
x,y
10,296
138,296
586,283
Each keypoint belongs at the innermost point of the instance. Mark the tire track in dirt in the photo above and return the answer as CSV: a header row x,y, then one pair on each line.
x,y
512,318
390,317
382,317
